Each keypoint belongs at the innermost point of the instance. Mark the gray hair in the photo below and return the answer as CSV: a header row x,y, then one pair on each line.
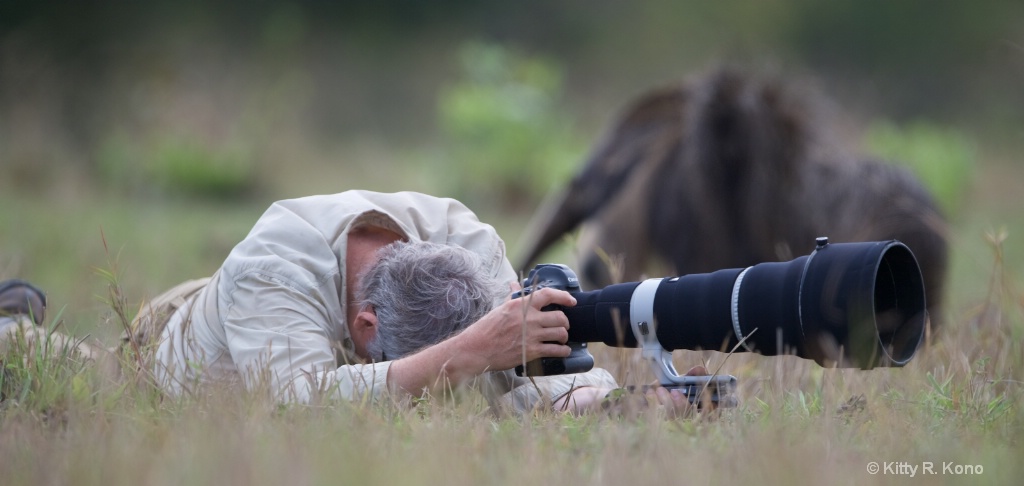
x,y
422,294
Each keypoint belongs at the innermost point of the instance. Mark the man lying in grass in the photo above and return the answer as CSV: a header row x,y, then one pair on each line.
x,y
364,295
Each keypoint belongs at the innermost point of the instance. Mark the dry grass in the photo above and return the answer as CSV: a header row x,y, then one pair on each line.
x,y
61,423
958,402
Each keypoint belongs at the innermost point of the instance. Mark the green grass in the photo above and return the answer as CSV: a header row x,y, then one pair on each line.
x,y
796,424
958,402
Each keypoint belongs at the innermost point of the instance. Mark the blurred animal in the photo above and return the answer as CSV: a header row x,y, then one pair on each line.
x,y
729,170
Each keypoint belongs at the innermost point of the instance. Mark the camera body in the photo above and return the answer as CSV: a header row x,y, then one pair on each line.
x,y
715,389
561,277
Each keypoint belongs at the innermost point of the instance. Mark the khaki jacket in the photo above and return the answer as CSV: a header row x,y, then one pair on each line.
x,y
274,313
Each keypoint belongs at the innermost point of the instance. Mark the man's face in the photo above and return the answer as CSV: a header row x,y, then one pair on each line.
x,y
361,254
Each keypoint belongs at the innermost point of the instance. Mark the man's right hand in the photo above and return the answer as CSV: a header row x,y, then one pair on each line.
x,y
519,331
512,333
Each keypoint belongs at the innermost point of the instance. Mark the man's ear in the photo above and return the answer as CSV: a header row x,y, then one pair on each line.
x,y
364,328
366,318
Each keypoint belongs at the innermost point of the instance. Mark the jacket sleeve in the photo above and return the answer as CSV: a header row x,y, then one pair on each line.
x,y
508,393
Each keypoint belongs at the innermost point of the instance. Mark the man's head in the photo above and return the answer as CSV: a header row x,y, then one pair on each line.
x,y
421,293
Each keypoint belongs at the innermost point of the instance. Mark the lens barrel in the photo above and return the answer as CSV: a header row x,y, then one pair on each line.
x,y
846,304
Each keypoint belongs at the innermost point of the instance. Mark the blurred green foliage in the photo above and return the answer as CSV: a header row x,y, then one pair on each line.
x,y
175,166
943,158
190,167
504,129
104,104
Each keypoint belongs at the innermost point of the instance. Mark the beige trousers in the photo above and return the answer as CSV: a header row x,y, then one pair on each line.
x,y
19,332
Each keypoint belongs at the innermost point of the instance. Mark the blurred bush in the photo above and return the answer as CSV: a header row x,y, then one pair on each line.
x,y
176,166
186,166
505,137
943,158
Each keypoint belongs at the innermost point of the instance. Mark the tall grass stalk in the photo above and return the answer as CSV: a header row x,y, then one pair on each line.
x,y
958,402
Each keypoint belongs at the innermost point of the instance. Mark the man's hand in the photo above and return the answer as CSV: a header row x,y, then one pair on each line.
x,y
519,331
496,342
672,402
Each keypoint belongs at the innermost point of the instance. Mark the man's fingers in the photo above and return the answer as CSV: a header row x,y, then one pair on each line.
x,y
553,319
674,402
553,334
549,350
679,400
664,397
548,296
536,316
